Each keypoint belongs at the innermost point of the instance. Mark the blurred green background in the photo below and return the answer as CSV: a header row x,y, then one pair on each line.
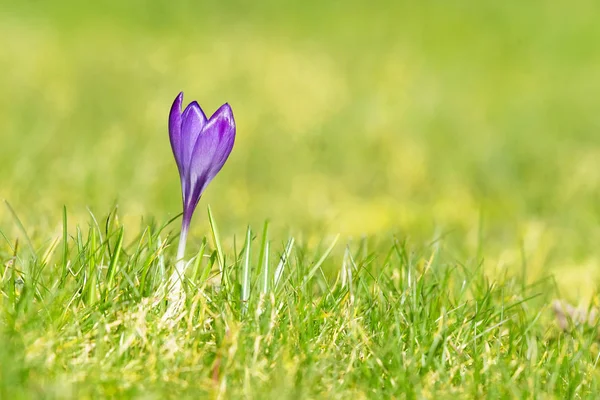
x,y
476,121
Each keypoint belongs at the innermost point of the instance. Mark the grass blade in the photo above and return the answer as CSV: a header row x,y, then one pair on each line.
x,y
265,288
264,252
246,269
217,241
65,258
318,264
21,228
113,261
283,261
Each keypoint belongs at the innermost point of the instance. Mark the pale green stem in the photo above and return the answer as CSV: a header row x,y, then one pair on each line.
x,y
180,266
177,276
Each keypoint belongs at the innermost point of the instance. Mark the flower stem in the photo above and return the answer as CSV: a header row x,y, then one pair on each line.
x,y
180,266
177,277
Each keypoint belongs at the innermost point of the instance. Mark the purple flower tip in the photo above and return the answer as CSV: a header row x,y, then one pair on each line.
x,y
200,146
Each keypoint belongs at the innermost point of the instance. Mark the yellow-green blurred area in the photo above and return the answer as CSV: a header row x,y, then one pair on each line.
x,y
474,121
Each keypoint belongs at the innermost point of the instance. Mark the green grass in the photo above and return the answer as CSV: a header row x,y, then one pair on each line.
x,y
85,318
430,171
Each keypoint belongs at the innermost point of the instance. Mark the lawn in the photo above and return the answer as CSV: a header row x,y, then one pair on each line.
x,y
412,186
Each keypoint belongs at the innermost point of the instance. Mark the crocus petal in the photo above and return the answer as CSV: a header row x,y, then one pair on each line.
x,y
193,121
175,131
213,146
211,150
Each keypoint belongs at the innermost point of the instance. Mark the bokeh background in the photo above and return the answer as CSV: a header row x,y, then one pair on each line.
x,y
473,121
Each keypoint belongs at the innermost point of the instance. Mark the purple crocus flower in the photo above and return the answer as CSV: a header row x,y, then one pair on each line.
x,y
200,146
